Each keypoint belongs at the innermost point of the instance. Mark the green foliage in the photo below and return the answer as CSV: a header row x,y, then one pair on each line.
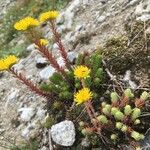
x,y
121,116
31,145
49,121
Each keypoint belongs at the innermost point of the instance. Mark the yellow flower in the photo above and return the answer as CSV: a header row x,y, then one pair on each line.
x,y
83,95
50,15
8,62
43,42
81,72
25,23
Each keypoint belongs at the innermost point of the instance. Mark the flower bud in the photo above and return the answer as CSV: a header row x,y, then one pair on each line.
x,y
137,121
102,119
97,81
114,97
105,111
81,124
108,107
138,148
119,125
103,104
114,110
113,137
124,128
137,136
78,85
86,131
136,113
127,110
119,115
128,93
144,96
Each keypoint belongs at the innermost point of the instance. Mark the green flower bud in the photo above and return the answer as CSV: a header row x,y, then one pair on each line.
x,y
124,128
99,72
142,136
114,97
145,95
137,136
86,131
137,121
114,110
119,125
119,115
128,93
108,107
102,119
81,124
136,113
97,81
105,111
113,137
103,104
127,110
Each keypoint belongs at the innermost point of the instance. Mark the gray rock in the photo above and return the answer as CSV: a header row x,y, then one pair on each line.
x,y
85,142
41,113
144,18
46,73
101,19
72,56
41,62
30,48
63,133
44,148
26,114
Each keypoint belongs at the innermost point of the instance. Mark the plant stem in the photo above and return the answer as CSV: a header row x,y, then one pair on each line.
x,y
50,57
60,45
29,84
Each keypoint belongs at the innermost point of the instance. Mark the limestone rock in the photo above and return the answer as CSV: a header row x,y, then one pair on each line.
x,y
63,133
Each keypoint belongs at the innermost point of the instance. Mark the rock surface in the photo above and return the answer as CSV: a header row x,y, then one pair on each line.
x,y
63,133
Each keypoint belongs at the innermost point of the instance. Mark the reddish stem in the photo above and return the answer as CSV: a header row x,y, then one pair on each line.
x,y
60,45
50,57
29,84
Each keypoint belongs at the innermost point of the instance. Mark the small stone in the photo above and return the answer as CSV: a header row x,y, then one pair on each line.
x,y
139,9
46,73
72,56
44,148
101,19
85,142
63,133
41,62
30,48
26,114
144,18
41,113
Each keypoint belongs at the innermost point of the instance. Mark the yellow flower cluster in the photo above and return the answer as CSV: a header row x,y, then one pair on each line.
x,y
83,95
26,23
81,72
8,62
50,15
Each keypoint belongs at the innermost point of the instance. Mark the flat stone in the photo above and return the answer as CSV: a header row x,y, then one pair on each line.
x,y
46,73
26,114
63,133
